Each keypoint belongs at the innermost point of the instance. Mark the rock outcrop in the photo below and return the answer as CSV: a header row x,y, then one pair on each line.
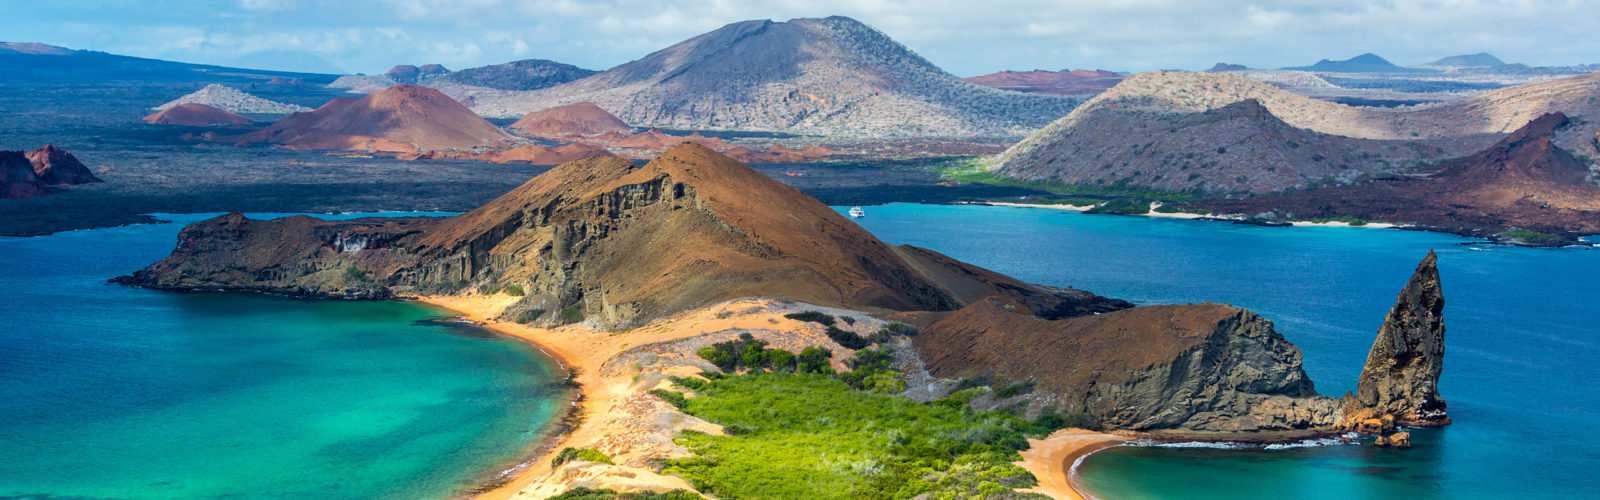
x,y
56,167
192,114
400,118
1401,377
232,100
17,179
599,240
1199,368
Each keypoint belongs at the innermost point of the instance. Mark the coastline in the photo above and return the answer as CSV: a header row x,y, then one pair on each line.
x,y
1054,460
1195,216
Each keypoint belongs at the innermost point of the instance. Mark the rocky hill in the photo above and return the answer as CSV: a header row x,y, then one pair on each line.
x,y
1481,59
580,119
195,115
228,99
833,76
527,74
1194,371
602,239
400,118
1364,63
1182,121
17,179
26,174
1524,182
1064,82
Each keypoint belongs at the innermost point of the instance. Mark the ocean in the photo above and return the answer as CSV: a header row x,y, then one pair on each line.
x,y
109,391
1522,347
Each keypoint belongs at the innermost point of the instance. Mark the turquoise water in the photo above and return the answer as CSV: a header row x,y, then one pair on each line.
x,y
108,391
1522,343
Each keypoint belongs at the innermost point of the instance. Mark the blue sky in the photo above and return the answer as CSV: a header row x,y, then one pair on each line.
x,y
965,37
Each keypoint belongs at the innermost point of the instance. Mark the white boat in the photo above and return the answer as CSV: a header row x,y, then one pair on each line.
x,y
857,212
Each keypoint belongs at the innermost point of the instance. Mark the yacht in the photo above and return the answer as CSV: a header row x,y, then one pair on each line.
x,y
857,212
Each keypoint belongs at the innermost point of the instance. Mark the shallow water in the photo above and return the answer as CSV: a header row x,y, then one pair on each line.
x,y
1522,347
108,391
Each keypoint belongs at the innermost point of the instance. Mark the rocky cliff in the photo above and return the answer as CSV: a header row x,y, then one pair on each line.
x,y
1401,377
599,240
1200,368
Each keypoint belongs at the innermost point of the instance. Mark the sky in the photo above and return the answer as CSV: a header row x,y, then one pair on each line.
x,y
967,38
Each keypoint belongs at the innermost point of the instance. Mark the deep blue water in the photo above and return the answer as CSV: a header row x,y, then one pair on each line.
x,y
1522,343
108,391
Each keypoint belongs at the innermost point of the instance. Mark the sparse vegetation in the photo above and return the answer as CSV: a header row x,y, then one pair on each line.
x,y
1519,235
570,454
817,317
514,290
583,493
1123,206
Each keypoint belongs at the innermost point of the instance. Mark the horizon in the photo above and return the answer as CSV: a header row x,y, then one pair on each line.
x,y
323,37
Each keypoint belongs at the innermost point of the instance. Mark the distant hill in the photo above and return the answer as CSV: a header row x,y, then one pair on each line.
x,y
1364,63
582,119
195,115
833,76
400,118
1064,82
1222,66
231,100
40,62
1199,131
527,74
1481,59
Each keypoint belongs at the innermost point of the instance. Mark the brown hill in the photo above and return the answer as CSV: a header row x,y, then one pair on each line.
x,y
194,115
399,118
541,155
582,119
1525,181
56,167
1065,82
602,239
17,179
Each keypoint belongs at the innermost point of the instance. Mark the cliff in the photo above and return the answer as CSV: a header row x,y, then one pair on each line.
x,y
601,240
1401,377
1198,368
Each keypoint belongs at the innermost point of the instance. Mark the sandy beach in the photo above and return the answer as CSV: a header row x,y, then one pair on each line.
x,y
1191,215
1053,459
616,370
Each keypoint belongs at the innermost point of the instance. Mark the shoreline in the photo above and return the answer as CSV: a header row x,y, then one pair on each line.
x,y
1196,216
1054,460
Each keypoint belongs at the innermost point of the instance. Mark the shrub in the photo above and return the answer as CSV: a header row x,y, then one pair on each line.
x,y
1014,389
847,339
1167,209
585,493
1083,420
1123,206
673,398
688,382
569,454
514,290
529,316
572,314
780,360
813,316
354,273
745,351
814,360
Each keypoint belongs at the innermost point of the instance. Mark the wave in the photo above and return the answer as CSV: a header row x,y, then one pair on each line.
x,y
1235,445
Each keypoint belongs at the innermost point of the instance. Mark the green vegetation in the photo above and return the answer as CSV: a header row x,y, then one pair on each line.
x,y
529,316
1121,207
812,436
583,493
572,314
1014,389
1167,209
747,353
1347,220
813,316
975,173
569,454
847,339
1531,237
674,398
354,274
514,290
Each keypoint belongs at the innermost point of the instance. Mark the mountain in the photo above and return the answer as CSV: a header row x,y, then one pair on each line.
x,y
1187,137
1062,82
527,74
232,100
194,115
17,179
600,239
1364,63
1223,67
1524,182
400,118
580,119
1481,59
406,73
832,76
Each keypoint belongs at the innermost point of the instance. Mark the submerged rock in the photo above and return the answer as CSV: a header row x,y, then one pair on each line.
x,y
1401,377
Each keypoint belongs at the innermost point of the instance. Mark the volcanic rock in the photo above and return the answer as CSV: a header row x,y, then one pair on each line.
x,y
195,115
17,179
528,74
1208,368
400,118
1401,377
601,239
228,99
581,119
56,167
